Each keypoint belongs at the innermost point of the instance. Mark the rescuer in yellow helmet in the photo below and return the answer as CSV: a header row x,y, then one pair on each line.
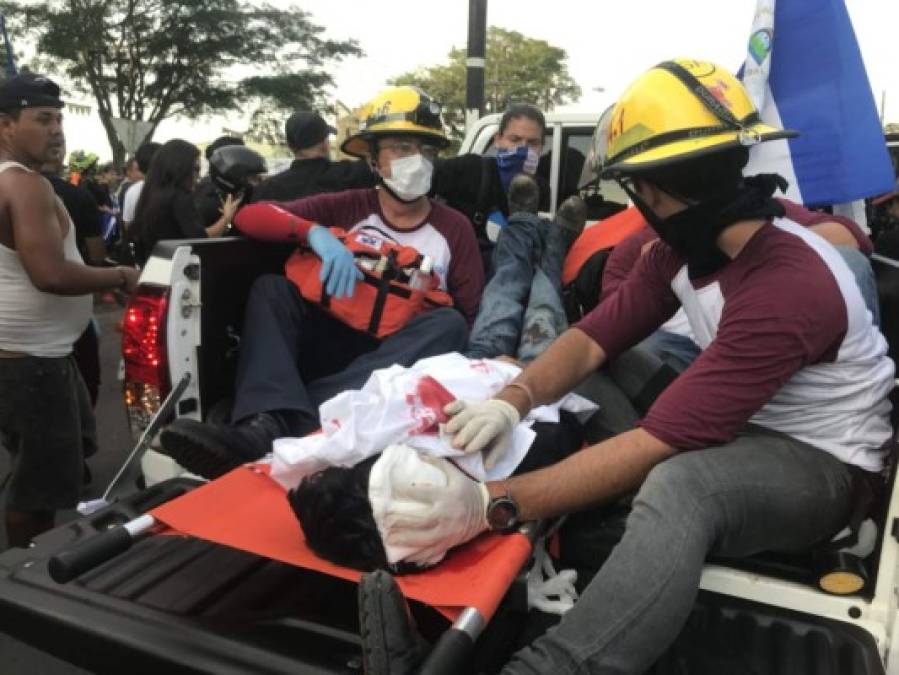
x,y
746,451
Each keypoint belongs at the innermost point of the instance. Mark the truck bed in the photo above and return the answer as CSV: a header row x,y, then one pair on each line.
x,y
175,604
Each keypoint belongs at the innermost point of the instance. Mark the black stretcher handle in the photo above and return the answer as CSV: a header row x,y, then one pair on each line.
x,y
451,655
88,554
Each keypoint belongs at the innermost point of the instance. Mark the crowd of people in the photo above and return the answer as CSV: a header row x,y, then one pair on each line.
x,y
734,348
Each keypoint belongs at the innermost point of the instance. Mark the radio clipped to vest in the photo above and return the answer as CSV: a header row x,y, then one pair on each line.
x,y
398,283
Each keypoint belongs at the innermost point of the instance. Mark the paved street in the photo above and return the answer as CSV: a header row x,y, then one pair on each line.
x,y
115,442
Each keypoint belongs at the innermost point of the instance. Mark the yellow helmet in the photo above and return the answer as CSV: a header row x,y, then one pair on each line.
x,y
397,111
680,110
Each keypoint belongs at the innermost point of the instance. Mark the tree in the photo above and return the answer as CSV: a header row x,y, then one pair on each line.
x,y
148,60
519,69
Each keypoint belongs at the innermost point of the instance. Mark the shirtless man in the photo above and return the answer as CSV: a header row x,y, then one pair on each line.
x,y
45,413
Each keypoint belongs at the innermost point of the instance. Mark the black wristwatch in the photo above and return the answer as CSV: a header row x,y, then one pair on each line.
x,y
502,514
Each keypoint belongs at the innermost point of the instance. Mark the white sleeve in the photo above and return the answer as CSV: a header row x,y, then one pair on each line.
x,y
130,205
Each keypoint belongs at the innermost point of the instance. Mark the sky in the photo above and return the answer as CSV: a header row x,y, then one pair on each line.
x,y
608,45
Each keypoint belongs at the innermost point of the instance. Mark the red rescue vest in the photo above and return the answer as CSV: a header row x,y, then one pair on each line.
x,y
383,300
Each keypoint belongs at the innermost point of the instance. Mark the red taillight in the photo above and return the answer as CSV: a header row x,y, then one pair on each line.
x,y
144,353
143,338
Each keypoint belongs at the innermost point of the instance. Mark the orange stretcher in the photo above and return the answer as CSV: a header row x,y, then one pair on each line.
x,y
247,510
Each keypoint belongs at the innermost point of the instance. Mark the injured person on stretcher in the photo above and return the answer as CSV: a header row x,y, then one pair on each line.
x,y
343,510
392,430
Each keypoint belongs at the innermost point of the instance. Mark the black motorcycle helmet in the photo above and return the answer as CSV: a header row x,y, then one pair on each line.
x,y
231,166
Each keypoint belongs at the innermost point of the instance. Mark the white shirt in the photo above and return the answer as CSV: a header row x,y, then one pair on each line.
x,y
130,205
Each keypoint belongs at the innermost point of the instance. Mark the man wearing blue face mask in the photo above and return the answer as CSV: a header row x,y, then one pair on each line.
x,y
294,354
479,186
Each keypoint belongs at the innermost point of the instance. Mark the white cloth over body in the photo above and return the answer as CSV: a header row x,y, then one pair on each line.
x,y
405,405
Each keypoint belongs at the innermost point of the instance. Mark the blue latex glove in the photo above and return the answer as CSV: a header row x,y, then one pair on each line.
x,y
339,272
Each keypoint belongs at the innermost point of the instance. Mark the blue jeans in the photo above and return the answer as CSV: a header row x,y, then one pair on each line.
x,y
762,491
294,357
521,310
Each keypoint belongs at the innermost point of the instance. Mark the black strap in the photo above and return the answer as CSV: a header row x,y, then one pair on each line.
x,y
480,214
377,311
678,135
729,122
700,91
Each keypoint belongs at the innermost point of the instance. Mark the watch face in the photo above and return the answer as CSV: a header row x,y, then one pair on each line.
x,y
502,514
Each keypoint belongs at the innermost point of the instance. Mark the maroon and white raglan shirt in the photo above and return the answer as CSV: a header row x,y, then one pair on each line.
x,y
787,343
445,235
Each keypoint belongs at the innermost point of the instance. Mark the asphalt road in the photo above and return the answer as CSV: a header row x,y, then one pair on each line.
x,y
17,658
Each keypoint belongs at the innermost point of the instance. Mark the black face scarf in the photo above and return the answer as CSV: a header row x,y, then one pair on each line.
x,y
693,232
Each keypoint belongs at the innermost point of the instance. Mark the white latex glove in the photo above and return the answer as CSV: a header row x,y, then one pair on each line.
x,y
477,424
423,512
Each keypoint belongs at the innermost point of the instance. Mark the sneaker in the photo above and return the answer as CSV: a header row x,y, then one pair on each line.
x,y
524,195
572,215
212,450
390,643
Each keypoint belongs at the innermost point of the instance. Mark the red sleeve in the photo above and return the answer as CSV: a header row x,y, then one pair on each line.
x,y
623,259
465,279
765,336
334,209
805,217
642,303
270,222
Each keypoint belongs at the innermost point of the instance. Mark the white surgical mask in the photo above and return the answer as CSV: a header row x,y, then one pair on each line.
x,y
410,177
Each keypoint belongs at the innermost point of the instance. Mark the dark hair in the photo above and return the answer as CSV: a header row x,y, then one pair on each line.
x,y
335,514
144,155
221,142
172,168
701,178
518,110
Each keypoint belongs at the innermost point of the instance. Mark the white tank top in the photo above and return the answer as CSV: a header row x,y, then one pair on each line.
x,y
34,322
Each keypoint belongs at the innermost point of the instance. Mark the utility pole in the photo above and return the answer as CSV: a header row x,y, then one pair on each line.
x,y
477,47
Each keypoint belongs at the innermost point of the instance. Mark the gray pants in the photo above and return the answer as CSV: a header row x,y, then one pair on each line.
x,y
762,491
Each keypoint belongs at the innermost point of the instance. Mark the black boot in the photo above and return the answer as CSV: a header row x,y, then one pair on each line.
x,y
572,215
211,450
390,643
524,195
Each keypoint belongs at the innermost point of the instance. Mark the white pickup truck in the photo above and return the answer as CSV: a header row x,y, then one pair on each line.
x,y
187,606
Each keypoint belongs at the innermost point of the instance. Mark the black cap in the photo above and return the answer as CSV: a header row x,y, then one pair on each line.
x,y
28,90
221,142
304,129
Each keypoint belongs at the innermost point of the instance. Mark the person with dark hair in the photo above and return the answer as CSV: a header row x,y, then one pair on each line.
x,y
312,171
87,219
746,451
130,175
143,157
294,353
335,510
45,414
478,185
166,208
207,198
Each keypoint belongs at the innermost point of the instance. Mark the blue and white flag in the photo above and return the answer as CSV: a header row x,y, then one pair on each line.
x,y
805,72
